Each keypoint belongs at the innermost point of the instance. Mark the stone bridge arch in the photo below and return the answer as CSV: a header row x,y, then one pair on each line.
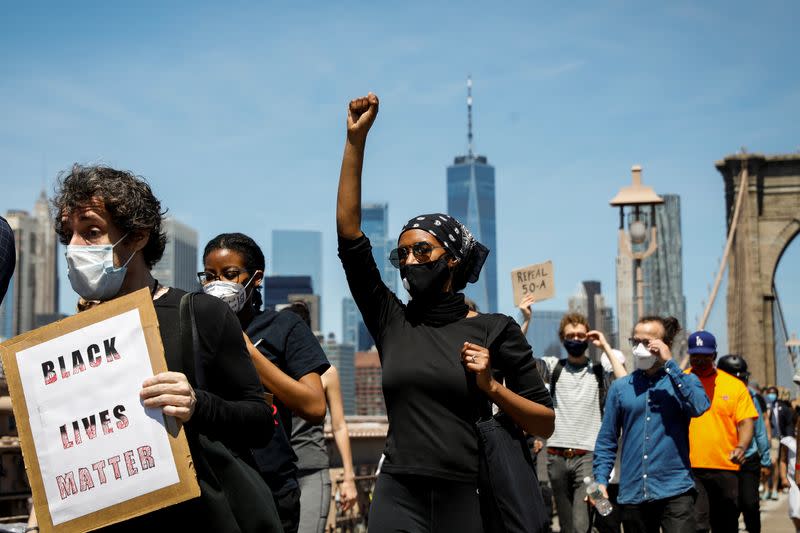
x,y
769,220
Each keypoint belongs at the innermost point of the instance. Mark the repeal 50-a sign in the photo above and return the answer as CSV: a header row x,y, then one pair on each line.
x,y
93,453
535,280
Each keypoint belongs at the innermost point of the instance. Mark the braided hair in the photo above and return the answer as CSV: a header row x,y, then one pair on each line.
x,y
249,250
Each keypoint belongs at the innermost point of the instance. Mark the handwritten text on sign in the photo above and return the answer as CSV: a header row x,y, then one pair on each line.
x,y
536,280
97,445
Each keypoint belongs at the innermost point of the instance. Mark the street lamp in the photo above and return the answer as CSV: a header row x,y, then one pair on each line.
x,y
637,198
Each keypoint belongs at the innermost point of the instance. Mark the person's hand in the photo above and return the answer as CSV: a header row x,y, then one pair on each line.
x,y
348,494
361,114
537,446
525,306
597,338
796,477
172,392
476,359
602,490
659,349
737,455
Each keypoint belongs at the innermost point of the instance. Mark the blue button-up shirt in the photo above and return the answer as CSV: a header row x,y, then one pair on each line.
x,y
760,442
652,413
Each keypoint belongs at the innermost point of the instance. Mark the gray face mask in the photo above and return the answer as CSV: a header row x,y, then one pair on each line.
x,y
92,273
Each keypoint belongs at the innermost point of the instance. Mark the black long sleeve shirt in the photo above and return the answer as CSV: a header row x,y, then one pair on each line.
x,y
431,399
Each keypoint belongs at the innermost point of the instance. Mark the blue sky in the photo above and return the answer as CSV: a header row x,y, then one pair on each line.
x,y
235,113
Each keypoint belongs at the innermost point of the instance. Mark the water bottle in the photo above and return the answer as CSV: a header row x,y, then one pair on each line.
x,y
601,503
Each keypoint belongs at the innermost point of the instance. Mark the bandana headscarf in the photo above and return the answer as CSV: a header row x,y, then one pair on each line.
x,y
457,240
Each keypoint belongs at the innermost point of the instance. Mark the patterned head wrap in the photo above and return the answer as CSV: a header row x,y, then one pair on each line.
x,y
458,241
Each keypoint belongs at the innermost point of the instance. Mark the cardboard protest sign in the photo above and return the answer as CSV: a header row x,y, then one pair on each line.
x,y
536,280
94,455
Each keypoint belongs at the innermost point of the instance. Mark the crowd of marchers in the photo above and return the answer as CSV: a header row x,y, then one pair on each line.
x,y
661,447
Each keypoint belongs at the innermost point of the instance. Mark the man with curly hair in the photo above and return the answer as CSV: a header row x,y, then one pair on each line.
x,y
111,224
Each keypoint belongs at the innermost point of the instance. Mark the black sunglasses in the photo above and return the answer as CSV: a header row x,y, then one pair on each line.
x,y
422,253
230,275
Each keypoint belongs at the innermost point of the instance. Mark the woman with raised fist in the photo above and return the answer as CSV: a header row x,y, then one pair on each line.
x,y
437,357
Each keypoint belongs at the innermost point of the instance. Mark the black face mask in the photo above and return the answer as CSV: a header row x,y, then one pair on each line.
x,y
575,348
425,280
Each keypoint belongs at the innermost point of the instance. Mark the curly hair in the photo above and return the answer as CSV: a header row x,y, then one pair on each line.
x,y
575,319
127,198
247,247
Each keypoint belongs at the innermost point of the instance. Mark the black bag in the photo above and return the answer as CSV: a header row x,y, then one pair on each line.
x,y
234,495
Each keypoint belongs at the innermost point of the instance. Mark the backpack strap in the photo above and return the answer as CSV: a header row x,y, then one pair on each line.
x,y
554,375
190,341
602,390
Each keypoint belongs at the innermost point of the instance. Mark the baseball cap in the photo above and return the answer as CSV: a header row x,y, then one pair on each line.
x,y
702,343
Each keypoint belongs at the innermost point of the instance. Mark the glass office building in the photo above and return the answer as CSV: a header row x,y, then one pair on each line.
x,y
471,199
297,253
375,225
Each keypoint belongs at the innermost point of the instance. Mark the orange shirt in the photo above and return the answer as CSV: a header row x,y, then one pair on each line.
x,y
714,435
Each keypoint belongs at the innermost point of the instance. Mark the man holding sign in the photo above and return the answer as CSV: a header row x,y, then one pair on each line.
x,y
111,224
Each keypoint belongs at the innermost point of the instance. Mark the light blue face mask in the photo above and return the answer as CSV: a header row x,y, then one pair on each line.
x,y
92,273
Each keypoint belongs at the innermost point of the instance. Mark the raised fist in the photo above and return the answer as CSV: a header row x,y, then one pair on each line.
x,y
361,114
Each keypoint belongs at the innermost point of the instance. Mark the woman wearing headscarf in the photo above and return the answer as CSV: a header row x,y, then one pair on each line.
x,y
437,357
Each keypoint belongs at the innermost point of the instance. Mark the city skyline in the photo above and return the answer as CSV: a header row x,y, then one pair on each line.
x,y
569,100
32,299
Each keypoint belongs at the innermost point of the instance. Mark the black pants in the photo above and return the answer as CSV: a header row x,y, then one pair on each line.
x,y
288,504
421,504
671,515
612,522
717,506
749,477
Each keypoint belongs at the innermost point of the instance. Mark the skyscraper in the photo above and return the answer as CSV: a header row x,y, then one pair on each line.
x,y
342,357
375,225
354,331
278,289
471,199
663,271
297,253
178,266
32,297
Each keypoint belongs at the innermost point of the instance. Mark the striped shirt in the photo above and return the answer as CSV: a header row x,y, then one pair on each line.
x,y
577,407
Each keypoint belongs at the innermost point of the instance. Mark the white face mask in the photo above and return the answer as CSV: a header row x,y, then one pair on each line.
x,y
642,357
232,293
91,270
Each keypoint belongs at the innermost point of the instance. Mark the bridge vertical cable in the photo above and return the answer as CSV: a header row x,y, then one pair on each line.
x,y
740,261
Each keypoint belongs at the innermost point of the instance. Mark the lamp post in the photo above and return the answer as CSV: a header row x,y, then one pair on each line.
x,y
637,206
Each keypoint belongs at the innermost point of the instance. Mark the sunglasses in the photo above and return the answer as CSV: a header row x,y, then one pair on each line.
x,y
422,253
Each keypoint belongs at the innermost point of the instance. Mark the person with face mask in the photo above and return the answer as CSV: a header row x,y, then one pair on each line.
x,y
578,387
718,438
757,461
647,415
287,356
111,224
781,417
437,358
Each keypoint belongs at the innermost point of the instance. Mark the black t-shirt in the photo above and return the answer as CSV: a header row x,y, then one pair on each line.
x,y
431,399
230,408
286,341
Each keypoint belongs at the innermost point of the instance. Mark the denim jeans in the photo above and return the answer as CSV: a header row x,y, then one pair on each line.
x,y
566,480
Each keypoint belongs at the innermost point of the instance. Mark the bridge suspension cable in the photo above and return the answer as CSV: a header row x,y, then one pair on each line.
x,y
731,233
